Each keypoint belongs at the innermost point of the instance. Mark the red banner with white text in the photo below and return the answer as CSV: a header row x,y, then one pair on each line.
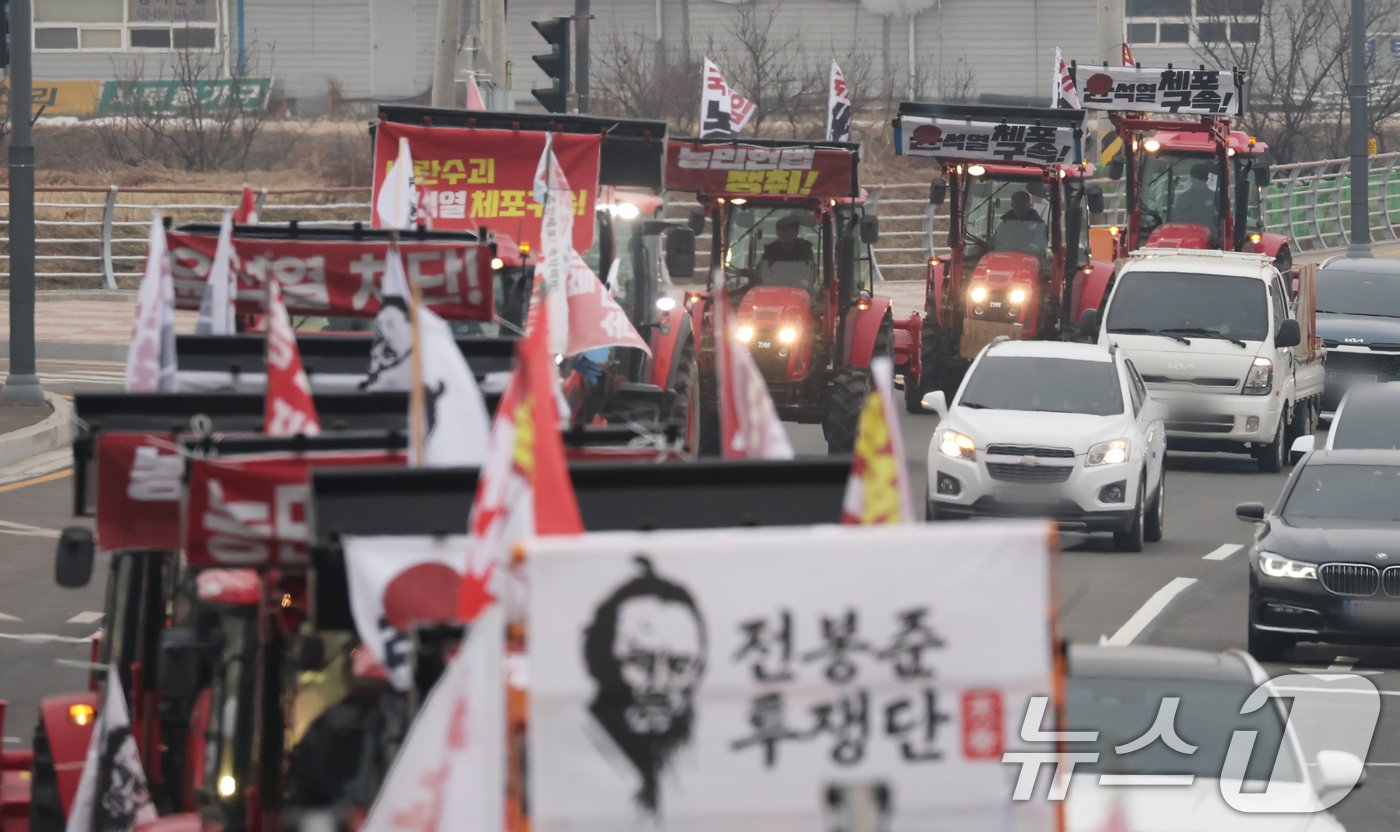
x,y
251,512
748,170
477,178
138,491
338,277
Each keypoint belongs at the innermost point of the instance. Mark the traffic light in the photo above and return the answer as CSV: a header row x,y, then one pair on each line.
x,y
5,34
556,64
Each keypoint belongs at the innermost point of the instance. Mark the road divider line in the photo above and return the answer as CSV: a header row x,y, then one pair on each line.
x,y
86,617
45,638
1223,552
56,475
1153,607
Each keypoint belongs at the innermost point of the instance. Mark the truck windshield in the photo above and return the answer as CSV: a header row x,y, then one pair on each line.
x,y
1180,188
1202,305
774,245
1006,215
1047,385
1358,293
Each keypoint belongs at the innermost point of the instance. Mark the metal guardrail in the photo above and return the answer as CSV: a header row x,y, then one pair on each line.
x,y
90,236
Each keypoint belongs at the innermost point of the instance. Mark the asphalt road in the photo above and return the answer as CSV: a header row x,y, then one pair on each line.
x,y
1187,591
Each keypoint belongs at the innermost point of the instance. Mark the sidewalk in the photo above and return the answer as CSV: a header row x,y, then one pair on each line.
x,y
27,431
83,326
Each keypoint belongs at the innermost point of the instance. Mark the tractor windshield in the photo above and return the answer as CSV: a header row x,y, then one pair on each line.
x,y
774,245
1006,214
1178,188
231,717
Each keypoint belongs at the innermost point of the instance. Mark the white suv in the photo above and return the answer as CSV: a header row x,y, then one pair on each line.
x,y
1052,429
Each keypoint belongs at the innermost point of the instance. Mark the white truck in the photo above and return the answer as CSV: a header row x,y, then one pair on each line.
x,y
1225,342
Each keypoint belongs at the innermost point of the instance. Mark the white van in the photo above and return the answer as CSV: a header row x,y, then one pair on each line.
x,y
1219,338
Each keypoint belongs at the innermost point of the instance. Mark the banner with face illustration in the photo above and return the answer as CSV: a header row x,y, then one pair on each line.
x,y
817,678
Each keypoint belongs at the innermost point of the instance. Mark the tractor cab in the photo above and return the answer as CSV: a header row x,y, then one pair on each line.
x,y
1018,207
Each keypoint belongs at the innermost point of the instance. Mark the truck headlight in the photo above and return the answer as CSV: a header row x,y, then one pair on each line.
x,y
957,445
788,335
744,333
1112,452
1280,567
1260,379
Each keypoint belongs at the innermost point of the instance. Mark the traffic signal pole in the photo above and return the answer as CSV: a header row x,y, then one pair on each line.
x,y
581,18
22,383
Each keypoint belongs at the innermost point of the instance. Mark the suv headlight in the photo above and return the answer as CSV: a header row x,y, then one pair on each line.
x,y
957,445
1112,452
1260,379
1280,567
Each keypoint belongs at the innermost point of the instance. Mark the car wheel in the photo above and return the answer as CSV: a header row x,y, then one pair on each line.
x,y
1130,539
1271,457
1157,512
1269,647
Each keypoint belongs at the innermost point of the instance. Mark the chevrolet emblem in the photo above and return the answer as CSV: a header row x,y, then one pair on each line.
x,y
1029,461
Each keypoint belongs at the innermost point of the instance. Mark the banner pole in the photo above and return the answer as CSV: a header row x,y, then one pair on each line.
x,y
417,416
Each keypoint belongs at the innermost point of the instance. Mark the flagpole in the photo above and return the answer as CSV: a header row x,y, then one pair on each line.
x,y
416,400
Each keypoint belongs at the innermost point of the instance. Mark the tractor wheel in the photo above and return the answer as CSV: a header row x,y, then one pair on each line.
x,y
933,376
849,388
681,398
45,806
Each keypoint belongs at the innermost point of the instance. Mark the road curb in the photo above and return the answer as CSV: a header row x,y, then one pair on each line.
x,y
61,351
54,432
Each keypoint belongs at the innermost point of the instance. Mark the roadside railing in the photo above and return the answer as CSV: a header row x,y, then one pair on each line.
x,y
95,237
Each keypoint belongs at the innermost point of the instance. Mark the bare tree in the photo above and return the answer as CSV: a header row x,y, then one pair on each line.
x,y
765,60
637,82
192,114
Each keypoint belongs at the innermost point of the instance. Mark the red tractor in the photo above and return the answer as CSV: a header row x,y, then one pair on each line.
x,y
1192,182
1018,219
790,229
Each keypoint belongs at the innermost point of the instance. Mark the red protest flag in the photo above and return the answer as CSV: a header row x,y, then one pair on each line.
x,y
290,409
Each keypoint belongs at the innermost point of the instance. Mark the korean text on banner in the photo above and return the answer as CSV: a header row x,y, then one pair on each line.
x,y
1034,144
138,491
334,277
1208,92
748,170
807,671
471,178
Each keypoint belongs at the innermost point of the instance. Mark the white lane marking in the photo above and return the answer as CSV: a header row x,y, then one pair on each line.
x,y
34,466
86,617
1302,689
81,665
1340,668
1145,779
10,740
45,638
25,530
1148,611
1223,552
8,617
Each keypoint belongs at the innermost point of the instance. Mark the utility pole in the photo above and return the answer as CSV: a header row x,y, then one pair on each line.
x,y
493,48
22,384
581,18
449,15
1360,245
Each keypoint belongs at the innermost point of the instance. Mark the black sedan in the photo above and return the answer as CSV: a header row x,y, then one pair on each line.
x,y
1325,563
1358,319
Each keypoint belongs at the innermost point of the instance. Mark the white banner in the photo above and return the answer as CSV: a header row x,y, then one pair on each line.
x,y
838,107
981,140
723,111
787,679
1210,92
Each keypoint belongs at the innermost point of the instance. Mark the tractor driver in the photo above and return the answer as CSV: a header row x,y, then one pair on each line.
x,y
1196,204
788,260
1022,228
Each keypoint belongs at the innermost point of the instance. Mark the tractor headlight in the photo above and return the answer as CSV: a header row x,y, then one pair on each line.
x,y
1112,452
497,264
626,211
1279,567
228,787
788,335
1017,297
665,304
744,333
978,294
957,445
1152,145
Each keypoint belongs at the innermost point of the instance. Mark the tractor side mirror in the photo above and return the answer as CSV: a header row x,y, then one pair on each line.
x,y
1115,168
937,191
1089,324
1289,334
680,252
72,565
869,229
178,673
1094,198
697,221
1261,176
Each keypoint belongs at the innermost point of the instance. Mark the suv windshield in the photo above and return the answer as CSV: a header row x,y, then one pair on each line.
x,y
1208,715
1358,293
1193,304
1006,215
774,246
1344,492
1053,385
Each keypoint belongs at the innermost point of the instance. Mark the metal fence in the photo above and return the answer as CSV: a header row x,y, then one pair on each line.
x,y
95,237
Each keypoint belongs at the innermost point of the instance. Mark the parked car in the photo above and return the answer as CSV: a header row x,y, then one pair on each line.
x,y
1358,319
1219,339
1051,429
1118,692
1320,567
1369,421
